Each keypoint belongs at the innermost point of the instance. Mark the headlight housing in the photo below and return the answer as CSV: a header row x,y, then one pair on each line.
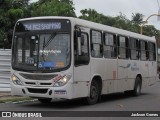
x,y
62,81
16,80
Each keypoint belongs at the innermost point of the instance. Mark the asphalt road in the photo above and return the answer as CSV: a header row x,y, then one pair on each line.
x,y
149,100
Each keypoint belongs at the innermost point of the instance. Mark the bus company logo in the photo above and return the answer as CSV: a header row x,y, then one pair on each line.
x,y
37,83
6,114
47,52
56,78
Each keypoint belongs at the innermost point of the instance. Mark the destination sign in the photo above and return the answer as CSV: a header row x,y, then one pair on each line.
x,y
43,26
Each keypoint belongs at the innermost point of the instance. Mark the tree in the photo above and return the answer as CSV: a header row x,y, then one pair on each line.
x,y
94,16
4,20
53,8
137,18
150,30
122,22
11,11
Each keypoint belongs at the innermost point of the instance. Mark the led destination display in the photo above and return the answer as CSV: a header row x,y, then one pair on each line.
x,y
43,26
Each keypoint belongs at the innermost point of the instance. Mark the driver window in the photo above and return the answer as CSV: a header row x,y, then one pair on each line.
x,y
84,57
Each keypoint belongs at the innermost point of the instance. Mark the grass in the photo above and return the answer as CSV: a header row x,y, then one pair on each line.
x,y
14,99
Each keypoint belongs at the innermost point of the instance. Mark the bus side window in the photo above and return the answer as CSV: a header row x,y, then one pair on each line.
x,y
84,57
144,50
110,48
152,51
134,49
96,44
124,51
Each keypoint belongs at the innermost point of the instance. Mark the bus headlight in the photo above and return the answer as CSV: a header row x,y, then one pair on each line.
x,y
16,80
62,81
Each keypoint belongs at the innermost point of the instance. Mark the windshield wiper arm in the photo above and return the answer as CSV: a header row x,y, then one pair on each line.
x,y
49,40
43,49
45,44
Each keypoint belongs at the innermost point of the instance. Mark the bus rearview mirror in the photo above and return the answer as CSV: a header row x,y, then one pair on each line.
x,y
34,37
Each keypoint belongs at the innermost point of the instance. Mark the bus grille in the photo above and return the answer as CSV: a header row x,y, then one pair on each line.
x,y
33,90
46,84
30,83
38,77
43,84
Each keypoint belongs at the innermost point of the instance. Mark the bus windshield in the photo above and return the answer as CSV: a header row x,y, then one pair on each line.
x,y
41,50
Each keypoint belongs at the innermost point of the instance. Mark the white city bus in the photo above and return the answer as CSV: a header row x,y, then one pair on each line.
x,y
68,58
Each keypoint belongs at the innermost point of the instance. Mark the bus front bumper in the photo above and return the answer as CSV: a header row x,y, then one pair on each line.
x,y
64,92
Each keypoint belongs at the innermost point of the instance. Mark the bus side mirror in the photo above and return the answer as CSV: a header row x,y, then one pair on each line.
x,y
34,38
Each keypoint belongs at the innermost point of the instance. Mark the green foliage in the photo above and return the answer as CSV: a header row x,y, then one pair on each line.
x,y
11,11
122,22
94,16
15,14
137,18
150,30
53,8
91,15
2,35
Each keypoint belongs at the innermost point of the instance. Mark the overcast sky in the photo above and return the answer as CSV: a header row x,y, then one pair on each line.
x,y
127,7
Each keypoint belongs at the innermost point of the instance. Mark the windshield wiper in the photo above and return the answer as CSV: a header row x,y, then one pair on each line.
x,y
43,49
45,44
49,40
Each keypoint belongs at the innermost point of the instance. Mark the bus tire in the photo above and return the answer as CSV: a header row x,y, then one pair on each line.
x,y
94,93
45,100
137,87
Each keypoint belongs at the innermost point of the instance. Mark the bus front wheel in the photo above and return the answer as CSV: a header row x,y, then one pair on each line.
x,y
94,93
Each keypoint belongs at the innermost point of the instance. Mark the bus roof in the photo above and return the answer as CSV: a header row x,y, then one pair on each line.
x,y
97,26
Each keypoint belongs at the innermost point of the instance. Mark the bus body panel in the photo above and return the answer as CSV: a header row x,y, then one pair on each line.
x,y
110,75
132,72
144,70
127,73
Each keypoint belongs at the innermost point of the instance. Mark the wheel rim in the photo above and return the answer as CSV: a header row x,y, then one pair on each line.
x,y
94,92
138,89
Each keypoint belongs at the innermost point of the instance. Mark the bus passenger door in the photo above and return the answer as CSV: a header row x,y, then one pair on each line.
x,y
81,63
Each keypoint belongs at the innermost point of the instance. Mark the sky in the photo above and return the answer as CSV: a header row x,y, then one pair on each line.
x,y
126,7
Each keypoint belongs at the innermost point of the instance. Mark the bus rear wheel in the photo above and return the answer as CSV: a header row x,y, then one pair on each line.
x,y
45,100
94,93
137,87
